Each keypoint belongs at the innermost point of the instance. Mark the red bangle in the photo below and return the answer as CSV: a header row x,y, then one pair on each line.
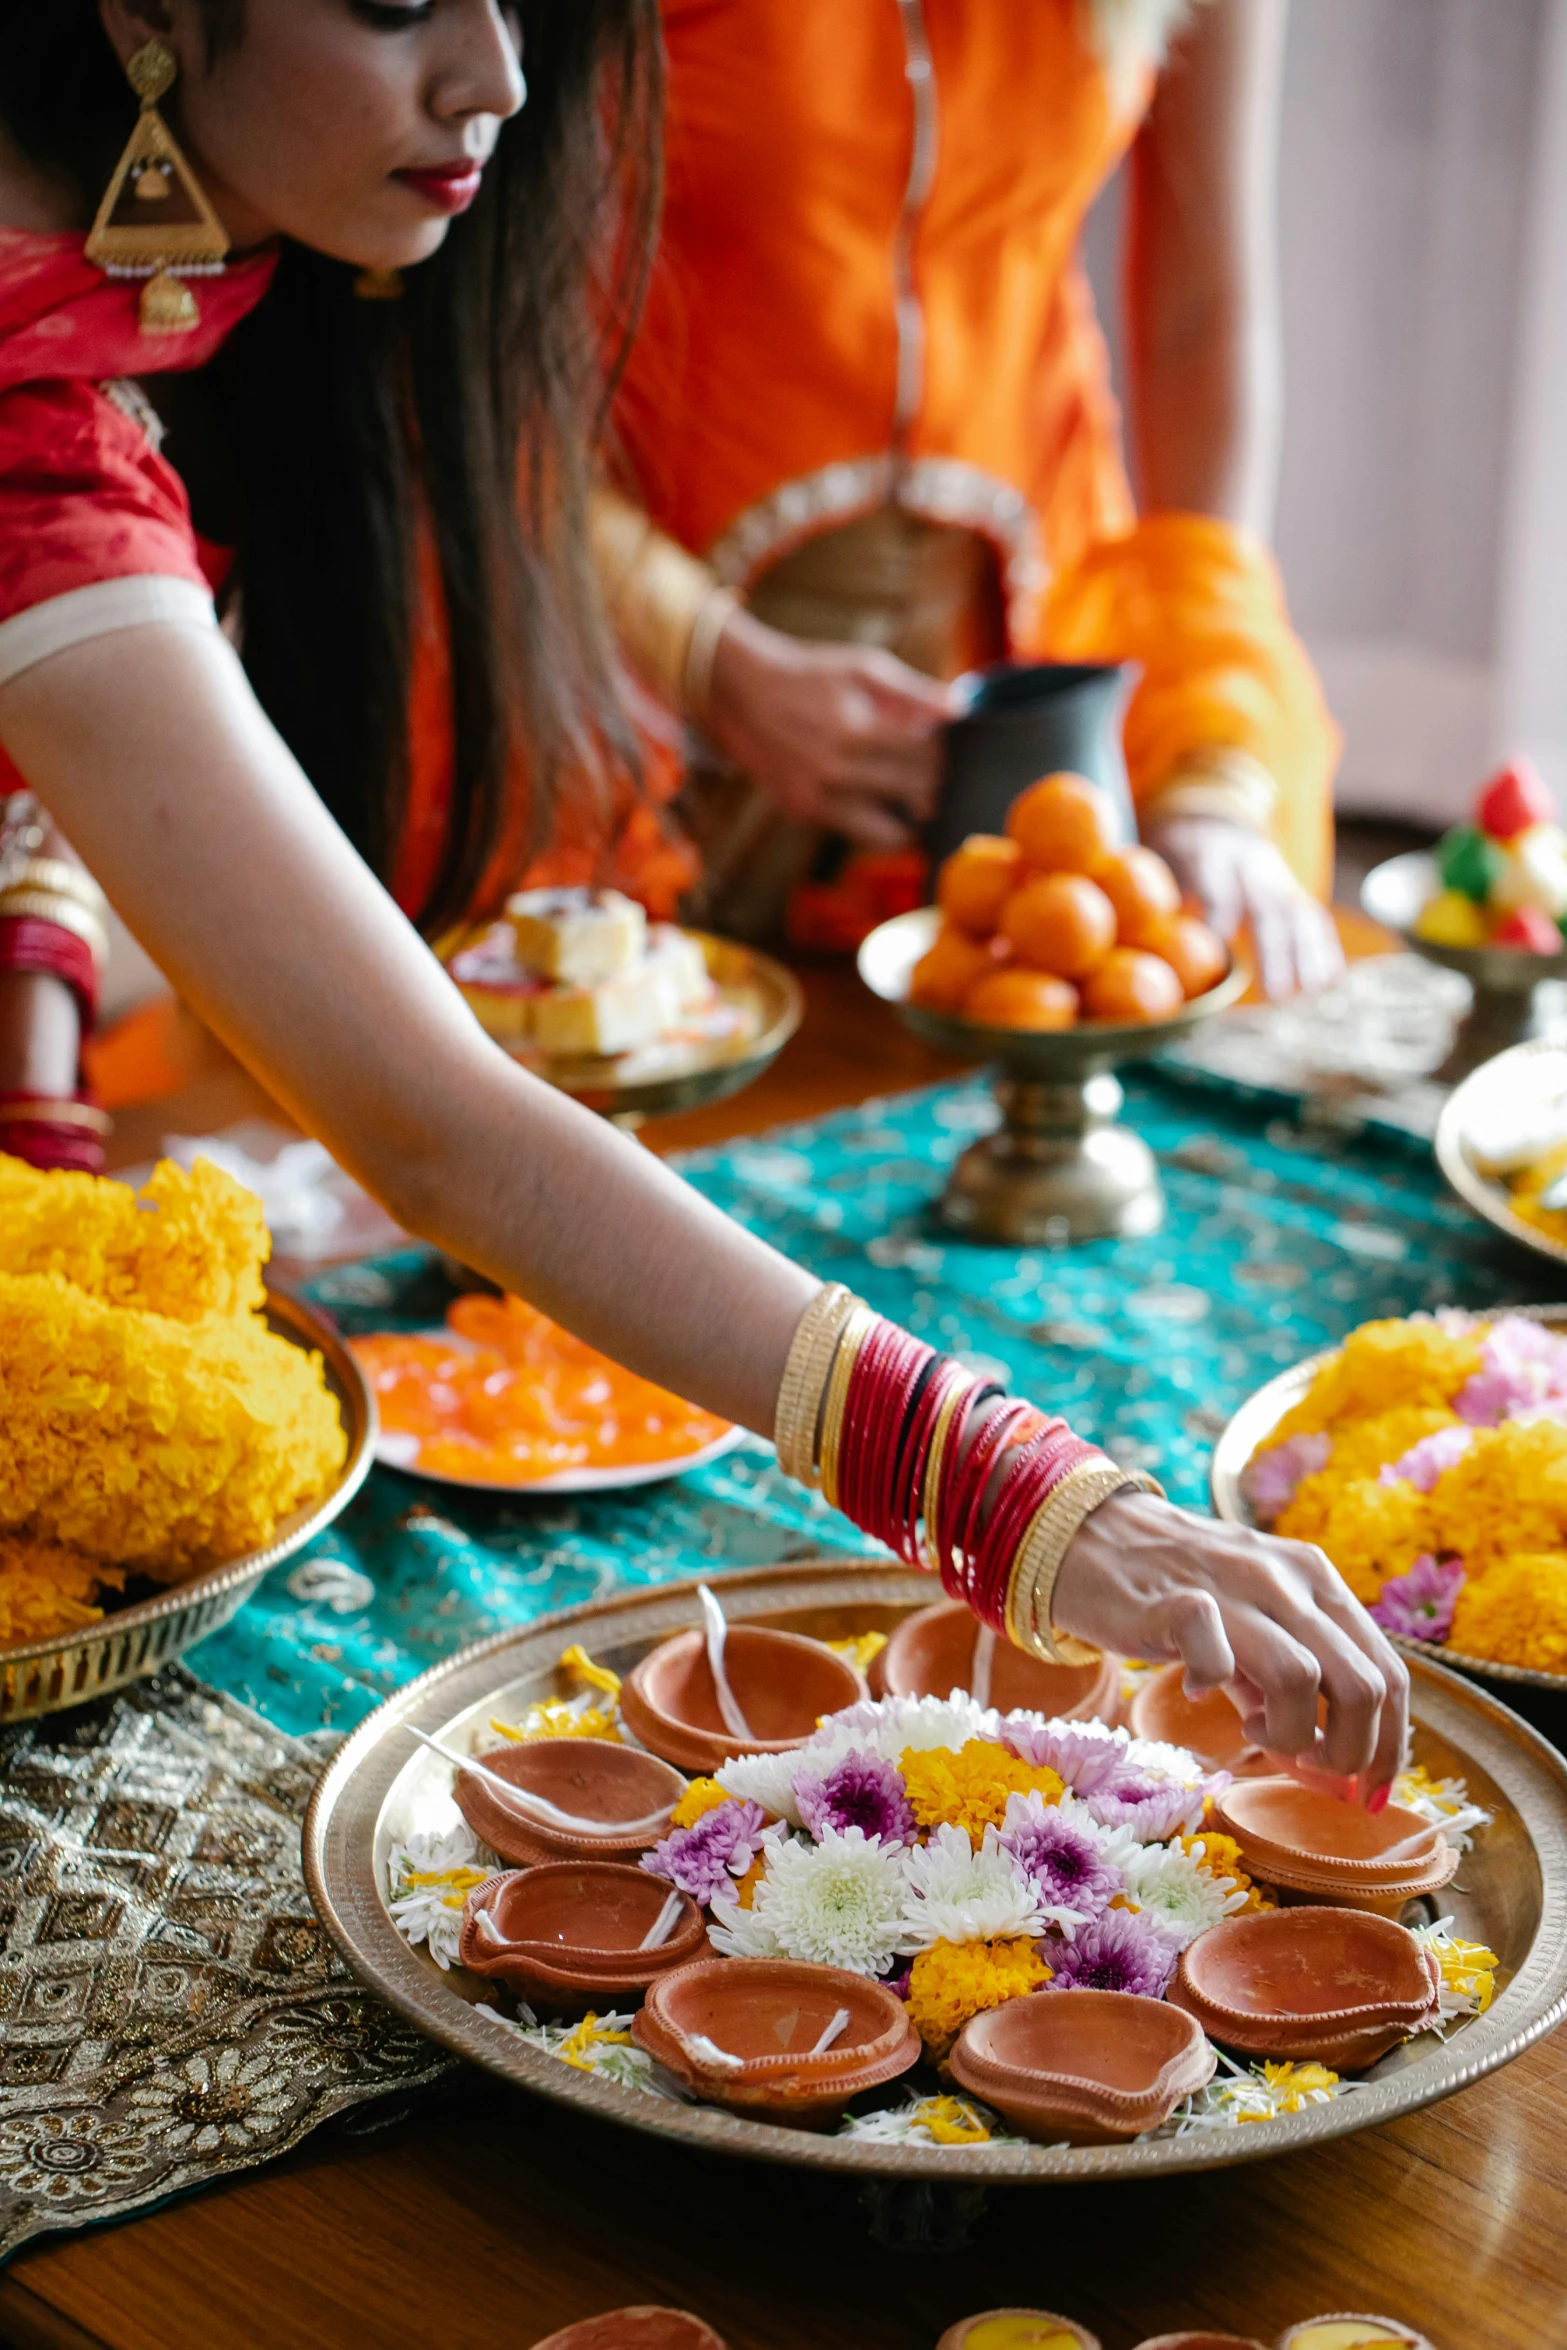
x,y
51,1148
963,1492
29,944
1051,1454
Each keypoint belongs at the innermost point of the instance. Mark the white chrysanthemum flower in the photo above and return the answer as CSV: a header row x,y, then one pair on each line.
x,y
767,1779
1159,1761
1443,1802
1467,1971
956,1894
429,1877
1256,2093
836,1903
1181,1896
898,1725
931,2121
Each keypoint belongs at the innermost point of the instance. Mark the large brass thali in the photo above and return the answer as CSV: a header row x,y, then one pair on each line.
x,y
44,1676
1511,1891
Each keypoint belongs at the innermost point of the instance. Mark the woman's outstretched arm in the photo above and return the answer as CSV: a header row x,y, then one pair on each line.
x,y
151,752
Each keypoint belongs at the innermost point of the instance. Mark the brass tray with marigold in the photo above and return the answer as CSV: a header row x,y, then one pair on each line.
x,y
1512,1893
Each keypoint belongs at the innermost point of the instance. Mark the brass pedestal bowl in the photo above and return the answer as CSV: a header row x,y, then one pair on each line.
x,y
1057,1168
1517,996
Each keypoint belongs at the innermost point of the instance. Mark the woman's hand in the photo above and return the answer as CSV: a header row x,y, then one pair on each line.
x,y
1271,1623
843,736
1240,877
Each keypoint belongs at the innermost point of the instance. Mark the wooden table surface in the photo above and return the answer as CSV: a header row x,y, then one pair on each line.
x,y
491,2219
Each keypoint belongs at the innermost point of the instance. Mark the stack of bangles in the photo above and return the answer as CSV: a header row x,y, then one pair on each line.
x,y
51,924
911,1447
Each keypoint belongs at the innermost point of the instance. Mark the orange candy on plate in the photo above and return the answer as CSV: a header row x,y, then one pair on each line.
x,y
1130,986
1017,997
1062,923
504,1396
1063,824
976,879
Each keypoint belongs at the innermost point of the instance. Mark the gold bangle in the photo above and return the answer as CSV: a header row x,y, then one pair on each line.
x,y
851,1339
56,1114
59,878
1031,1587
1219,779
30,905
811,1352
718,609
940,1436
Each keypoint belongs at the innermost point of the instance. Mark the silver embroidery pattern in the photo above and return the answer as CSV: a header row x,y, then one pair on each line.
x,y
170,2009
123,393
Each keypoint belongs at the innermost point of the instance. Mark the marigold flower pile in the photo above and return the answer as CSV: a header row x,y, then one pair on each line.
x,y
1429,1460
149,1419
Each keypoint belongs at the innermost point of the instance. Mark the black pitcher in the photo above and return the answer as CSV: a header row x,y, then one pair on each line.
x,y
1024,720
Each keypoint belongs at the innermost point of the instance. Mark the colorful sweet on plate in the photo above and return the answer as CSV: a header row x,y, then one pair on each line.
x,y
506,1397
1060,922
1504,876
582,973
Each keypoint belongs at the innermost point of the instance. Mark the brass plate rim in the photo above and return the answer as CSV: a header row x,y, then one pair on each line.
x,y
1482,1192
1052,1055
339,1865
1262,1410
304,1328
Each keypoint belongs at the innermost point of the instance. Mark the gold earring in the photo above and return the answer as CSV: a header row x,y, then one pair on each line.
x,y
152,171
379,285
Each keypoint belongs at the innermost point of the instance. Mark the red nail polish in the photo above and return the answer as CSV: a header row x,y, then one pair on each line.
x,y
1379,1801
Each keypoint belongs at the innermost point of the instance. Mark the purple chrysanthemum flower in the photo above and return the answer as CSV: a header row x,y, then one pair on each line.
x,y
1272,1480
862,1791
1419,1605
702,1860
898,1984
1154,1809
1064,1867
1431,1458
1120,1951
1085,1755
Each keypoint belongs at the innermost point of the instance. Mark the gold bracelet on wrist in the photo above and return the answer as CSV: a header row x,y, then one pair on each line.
x,y
62,1113
851,1339
57,877
935,1461
1219,780
718,609
36,905
804,1384
1031,1588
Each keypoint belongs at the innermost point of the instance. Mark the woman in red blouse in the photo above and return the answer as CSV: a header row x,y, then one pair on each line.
x,y
350,448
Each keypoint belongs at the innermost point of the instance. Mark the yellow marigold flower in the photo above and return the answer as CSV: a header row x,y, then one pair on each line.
x,y
1418,1362
954,1980
1369,1530
967,1786
554,1718
576,1661
1507,1494
951,2121
745,1889
862,1650
1220,1856
1516,1613
45,1589
701,1797
1292,2086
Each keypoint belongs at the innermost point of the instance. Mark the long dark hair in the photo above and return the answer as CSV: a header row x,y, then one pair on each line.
x,y
471,405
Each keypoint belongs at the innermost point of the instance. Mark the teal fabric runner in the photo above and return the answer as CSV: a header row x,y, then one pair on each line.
x,y
1279,1239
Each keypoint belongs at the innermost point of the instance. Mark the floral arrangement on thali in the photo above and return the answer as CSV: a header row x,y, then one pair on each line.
x,y
955,1857
1429,1460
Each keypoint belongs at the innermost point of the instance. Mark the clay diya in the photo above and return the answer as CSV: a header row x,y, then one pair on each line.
x,y
1090,2067
776,2039
780,1682
1201,2341
1210,1726
1018,2329
942,1648
636,2329
1303,1842
1347,2331
1339,1986
568,1799
573,1933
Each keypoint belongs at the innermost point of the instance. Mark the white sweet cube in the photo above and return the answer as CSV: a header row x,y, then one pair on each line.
x,y
581,937
617,1017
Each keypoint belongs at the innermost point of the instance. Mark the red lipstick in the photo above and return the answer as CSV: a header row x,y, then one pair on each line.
x,y
446,187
